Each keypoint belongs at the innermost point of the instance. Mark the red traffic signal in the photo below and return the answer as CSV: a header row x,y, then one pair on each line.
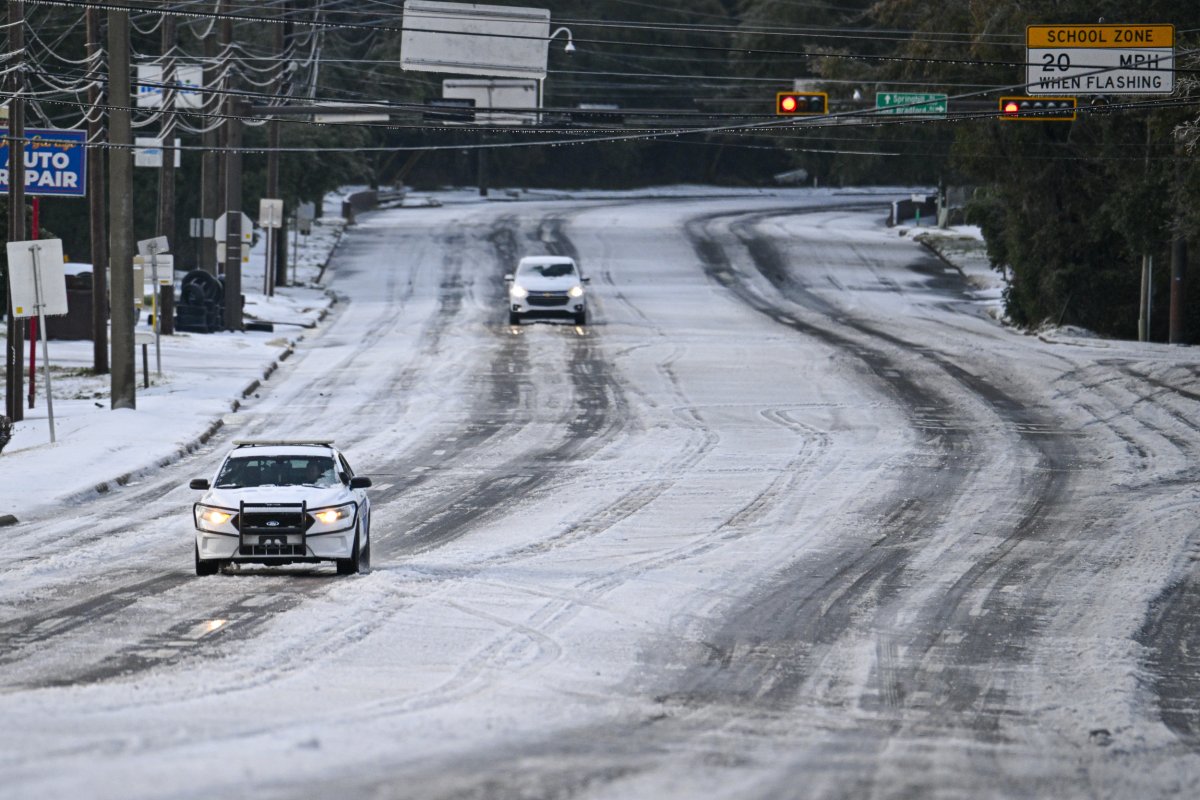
x,y
1038,109
789,104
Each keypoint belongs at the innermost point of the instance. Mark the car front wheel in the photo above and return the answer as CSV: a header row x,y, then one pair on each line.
x,y
359,561
206,566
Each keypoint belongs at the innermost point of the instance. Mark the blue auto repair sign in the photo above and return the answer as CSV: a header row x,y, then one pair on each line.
x,y
55,162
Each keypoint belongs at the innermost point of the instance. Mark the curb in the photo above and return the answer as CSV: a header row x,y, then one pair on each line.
x,y
924,243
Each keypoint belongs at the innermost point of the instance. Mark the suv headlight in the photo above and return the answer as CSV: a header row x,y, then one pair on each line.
x,y
332,518
575,291
518,291
214,519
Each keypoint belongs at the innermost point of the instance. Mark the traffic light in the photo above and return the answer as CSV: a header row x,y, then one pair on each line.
x,y
791,104
1038,109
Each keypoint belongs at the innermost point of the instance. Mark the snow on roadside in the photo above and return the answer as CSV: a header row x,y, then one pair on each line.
x,y
204,376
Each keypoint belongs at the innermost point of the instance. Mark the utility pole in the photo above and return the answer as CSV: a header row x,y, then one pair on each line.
x,y
14,370
166,175
1147,259
232,176
96,206
210,197
120,212
233,218
275,275
221,109
1179,253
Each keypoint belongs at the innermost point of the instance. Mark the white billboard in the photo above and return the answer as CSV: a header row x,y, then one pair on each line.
x,y
505,93
475,39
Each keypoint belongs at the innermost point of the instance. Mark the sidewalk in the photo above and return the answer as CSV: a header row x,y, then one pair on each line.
x,y
204,377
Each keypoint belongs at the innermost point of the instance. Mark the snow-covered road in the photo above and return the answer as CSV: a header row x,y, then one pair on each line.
x,y
793,517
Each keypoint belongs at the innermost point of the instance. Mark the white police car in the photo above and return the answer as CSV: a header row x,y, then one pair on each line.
x,y
283,502
547,286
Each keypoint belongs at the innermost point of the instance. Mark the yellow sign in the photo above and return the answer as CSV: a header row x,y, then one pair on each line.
x,y
1128,37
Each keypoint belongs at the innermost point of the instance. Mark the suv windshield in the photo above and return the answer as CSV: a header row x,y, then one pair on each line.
x,y
247,471
549,270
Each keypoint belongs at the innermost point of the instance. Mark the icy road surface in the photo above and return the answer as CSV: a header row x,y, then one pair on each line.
x,y
792,518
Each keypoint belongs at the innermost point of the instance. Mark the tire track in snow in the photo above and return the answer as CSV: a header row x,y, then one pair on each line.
x,y
767,648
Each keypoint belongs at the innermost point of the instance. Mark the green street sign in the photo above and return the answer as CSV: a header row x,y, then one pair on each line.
x,y
920,103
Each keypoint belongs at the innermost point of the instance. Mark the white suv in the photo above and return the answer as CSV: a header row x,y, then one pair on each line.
x,y
550,286
283,502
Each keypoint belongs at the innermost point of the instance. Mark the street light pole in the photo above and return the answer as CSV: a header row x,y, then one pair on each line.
x,y
570,48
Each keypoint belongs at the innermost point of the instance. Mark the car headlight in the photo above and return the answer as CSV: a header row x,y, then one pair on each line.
x,y
333,518
518,291
214,519
575,291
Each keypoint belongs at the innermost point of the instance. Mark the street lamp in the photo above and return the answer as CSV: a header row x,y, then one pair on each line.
x,y
570,48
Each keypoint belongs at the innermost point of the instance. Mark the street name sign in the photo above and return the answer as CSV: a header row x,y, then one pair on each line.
x,y
1100,59
924,104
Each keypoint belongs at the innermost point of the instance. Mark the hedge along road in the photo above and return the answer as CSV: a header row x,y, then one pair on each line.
x,y
790,517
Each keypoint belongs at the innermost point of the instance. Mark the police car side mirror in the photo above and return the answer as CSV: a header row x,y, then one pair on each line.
x,y
198,483
359,482
508,277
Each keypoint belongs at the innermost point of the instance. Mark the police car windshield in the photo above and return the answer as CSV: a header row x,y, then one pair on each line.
x,y
250,471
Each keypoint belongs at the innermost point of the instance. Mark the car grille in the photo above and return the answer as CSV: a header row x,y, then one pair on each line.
x,y
273,529
281,521
547,299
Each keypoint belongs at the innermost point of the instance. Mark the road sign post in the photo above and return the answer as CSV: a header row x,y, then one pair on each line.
x,y
270,217
1100,59
153,247
38,288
